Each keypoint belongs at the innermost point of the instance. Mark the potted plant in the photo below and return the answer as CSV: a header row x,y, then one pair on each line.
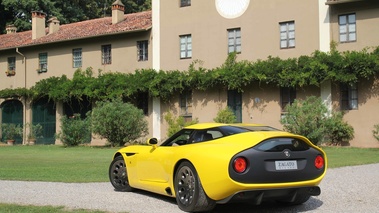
x,y
35,131
10,131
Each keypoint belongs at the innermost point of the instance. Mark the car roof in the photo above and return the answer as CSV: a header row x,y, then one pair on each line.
x,y
212,125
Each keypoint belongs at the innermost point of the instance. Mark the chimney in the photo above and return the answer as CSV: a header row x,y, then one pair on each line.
x,y
38,24
11,29
118,9
53,24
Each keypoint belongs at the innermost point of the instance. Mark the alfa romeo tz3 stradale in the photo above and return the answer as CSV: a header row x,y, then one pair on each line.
x,y
207,164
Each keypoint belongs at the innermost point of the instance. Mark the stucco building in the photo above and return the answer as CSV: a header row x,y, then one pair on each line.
x,y
175,34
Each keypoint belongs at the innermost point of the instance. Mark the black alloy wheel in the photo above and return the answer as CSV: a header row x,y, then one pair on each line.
x,y
118,175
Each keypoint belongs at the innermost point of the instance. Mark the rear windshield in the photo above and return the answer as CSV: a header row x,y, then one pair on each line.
x,y
280,144
231,130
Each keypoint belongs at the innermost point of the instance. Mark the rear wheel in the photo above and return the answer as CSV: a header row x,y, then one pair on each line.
x,y
118,175
190,195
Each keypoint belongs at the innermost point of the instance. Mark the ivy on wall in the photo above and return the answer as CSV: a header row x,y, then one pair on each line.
x,y
344,67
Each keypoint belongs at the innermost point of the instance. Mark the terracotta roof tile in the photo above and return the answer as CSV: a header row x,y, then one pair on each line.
x,y
78,30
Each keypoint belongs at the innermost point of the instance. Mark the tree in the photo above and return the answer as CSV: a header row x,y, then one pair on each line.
x,y
306,117
18,12
118,122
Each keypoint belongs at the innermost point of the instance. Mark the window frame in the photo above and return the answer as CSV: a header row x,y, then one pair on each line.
x,y
143,50
106,54
11,66
77,58
350,28
185,103
42,62
287,97
348,97
185,43
285,34
185,3
234,40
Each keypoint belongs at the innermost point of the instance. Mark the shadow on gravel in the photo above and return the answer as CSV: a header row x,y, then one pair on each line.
x,y
266,207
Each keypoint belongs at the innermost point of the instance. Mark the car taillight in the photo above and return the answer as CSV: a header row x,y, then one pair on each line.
x,y
240,164
319,162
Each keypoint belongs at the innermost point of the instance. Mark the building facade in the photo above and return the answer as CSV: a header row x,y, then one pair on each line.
x,y
176,33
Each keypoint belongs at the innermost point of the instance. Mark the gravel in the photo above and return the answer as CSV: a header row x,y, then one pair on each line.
x,y
346,189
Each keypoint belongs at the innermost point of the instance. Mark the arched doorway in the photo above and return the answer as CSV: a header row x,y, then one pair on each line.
x,y
44,114
12,113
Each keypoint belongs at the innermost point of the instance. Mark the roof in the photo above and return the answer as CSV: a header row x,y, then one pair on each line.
x,y
79,30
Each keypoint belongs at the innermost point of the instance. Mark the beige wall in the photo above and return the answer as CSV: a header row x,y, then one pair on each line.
x,y
367,24
259,27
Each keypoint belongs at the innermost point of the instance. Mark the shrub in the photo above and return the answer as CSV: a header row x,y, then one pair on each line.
x,y
375,132
306,117
11,131
176,124
225,116
337,130
118,122
74,130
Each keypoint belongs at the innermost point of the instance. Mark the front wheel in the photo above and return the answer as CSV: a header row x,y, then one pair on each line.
x,y
190,195
118,175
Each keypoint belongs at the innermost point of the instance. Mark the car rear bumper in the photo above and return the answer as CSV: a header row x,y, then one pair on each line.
x,y
257,196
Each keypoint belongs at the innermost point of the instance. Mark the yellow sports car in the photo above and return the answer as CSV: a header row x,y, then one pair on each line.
x,y
207,164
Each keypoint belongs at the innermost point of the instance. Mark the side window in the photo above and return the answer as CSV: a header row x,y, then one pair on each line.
x,y
185,46
234,40
42,64
142,47
106,54
180,138
185,3
347,28
287,96
186,105
206,135
349,96
77,58
11,66
287,35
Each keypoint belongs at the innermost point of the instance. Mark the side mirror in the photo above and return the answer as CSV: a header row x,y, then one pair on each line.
x,y
152,141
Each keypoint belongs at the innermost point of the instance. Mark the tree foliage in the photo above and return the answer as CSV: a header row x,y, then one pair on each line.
x,y
176,123
344,67
225,116
18,12
74,130
118,122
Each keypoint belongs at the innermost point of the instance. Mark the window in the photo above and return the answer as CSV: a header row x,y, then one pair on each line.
x,y
235,104
185,46
287,96
234,40
349,96
42,64
287,35
186,105
142,50
77,58
185,3
106,54
347,28
12,64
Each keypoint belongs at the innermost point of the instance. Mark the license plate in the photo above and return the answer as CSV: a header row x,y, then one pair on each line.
x,y
286,165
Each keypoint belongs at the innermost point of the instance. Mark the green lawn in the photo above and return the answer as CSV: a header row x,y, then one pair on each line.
x,y
350,156
55,163
9,208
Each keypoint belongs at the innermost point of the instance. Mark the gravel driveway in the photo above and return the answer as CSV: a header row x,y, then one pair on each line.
x,y
347,189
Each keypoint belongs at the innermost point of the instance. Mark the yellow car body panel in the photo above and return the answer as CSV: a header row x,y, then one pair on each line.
x,y
152,167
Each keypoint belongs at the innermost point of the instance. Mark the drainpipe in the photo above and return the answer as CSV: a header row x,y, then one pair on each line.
x,y
24,113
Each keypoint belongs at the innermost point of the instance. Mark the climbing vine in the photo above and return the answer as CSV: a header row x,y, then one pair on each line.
x,y
344,67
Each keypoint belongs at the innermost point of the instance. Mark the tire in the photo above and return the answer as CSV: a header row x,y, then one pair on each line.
x,y
190,195
118,175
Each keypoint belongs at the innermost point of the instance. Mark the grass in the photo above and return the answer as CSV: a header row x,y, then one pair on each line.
x,y
350,156
55,163
5,208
